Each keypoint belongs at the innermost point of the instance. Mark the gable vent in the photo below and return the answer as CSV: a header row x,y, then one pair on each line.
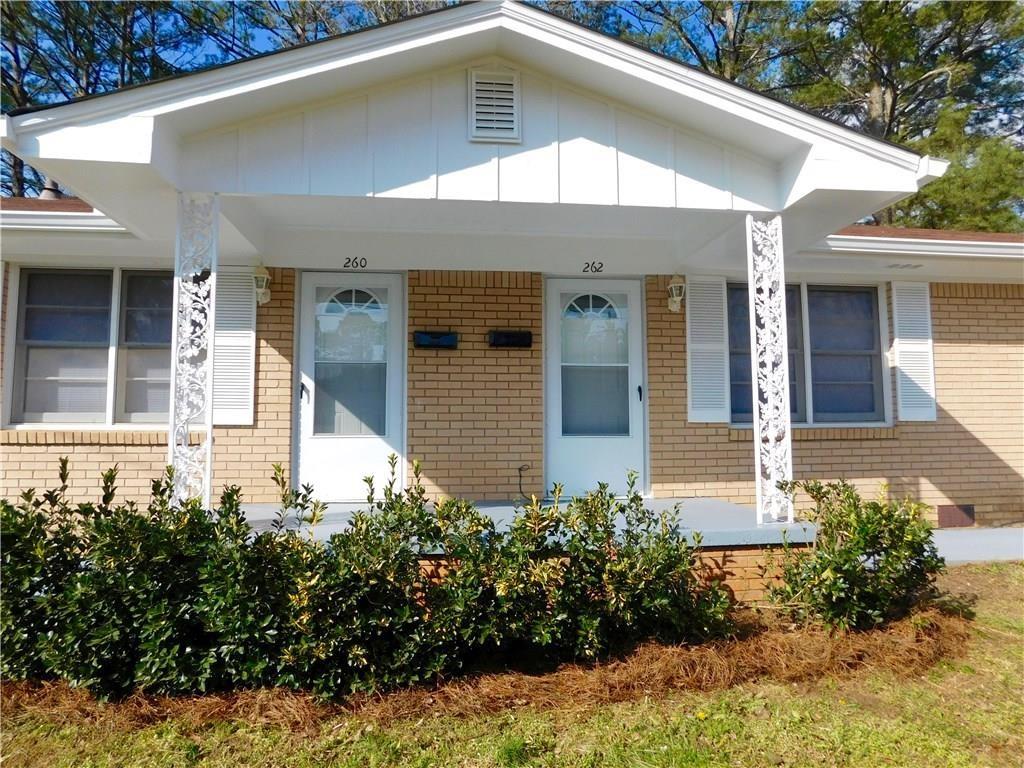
x,y
494,106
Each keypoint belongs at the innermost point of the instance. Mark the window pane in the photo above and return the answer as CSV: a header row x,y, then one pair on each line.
x,y
147,326
595,330
67,324
351,326
66,399
148,290
146,375
147,364
349,398
842,368
61,384
144,397
68,289
61,363
842,319
844,402
739,353
595,400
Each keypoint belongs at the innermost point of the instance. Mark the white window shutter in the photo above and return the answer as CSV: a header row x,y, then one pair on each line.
x,y
915,370
234,348
707,350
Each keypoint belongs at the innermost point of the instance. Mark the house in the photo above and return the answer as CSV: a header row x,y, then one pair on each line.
x,y
510,247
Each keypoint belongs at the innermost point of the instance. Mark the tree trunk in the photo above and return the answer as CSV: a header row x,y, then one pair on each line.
x,y
17,176
879,103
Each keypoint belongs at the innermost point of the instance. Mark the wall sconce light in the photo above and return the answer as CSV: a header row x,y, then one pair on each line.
x,y
261,279
676,291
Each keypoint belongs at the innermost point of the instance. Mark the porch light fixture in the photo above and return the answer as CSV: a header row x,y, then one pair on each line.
x,y
676,291
261,280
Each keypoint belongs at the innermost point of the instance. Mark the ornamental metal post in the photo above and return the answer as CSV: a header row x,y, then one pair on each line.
x,y
769,361
195,276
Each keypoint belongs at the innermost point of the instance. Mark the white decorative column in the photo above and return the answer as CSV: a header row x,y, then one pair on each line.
x,y
195,276
769,360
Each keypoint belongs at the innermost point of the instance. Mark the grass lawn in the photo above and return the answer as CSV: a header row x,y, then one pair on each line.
x,y
967,711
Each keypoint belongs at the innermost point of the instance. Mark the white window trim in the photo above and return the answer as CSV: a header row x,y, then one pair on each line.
x,y
114,376
884,347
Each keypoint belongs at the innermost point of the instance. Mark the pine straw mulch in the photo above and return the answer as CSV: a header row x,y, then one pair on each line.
x,y
770,651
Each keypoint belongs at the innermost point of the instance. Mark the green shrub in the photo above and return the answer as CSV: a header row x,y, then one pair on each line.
x,y
871,560
601,573
177,599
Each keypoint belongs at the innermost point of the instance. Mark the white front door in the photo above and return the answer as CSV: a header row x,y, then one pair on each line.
x,y
594,384
352,367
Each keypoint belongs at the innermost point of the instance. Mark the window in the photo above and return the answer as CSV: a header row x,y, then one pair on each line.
x,y
144,346
843,341
595,365
739,354
66,354
846,355
350,369
62,347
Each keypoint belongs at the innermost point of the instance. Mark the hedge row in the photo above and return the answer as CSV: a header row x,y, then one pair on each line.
x,y
180,599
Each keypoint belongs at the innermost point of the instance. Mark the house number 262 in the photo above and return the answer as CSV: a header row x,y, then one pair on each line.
x,y
354,262
593,266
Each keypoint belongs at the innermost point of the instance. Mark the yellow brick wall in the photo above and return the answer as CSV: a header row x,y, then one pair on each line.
x,y
973,453
476,413
242,455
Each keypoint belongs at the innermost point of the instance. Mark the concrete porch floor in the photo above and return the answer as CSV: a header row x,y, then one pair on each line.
x,y
720,523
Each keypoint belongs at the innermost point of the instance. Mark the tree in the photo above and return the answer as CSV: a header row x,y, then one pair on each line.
x,y
941,77
983,188
54,51
733,40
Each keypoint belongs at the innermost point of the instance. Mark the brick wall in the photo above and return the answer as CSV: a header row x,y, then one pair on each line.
x,y
973,453
476,413
242,455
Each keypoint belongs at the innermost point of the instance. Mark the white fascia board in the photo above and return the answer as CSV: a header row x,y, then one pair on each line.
x,y
905,246
439,28
56,221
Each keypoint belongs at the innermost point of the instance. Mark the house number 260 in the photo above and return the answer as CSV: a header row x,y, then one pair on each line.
x,y
355,262
593,266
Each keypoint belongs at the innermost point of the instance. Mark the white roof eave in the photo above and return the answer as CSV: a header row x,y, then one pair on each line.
x,y
921,248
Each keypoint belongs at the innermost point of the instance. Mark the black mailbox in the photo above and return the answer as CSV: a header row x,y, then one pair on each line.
x,y
435,339
510,339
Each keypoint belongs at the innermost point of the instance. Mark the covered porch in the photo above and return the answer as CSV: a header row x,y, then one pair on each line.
x,y
360,166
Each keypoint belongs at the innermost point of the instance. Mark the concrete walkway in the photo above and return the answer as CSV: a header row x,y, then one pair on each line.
x,y
976,545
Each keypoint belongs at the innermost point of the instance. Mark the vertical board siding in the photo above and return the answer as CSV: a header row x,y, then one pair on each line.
x,y
411,140
337,151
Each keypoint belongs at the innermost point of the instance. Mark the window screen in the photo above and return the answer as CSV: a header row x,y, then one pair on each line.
x,y
846,356
62,347
350,366
595,365
144,346
739,354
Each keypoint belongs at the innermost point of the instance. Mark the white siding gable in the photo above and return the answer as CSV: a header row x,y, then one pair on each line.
x,y
414,139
